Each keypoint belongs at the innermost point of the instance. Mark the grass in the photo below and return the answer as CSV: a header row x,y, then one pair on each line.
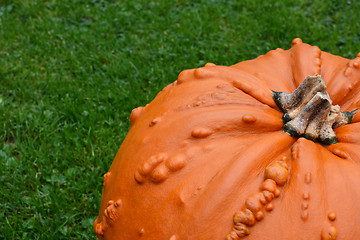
x,y
72,71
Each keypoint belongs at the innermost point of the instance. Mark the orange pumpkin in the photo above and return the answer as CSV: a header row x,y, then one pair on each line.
x,y
210,158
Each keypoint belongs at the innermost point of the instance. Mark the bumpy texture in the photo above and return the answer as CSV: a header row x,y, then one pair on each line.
x,y
208,159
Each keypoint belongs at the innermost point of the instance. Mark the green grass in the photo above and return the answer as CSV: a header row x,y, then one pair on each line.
x,y
72,71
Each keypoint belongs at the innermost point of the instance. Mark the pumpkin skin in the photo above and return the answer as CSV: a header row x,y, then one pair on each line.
x,y
198,153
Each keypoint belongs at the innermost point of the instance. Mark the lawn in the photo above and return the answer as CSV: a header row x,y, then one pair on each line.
x,y
72,71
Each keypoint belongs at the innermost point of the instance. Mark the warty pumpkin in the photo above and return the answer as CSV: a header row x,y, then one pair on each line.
x,y
264,149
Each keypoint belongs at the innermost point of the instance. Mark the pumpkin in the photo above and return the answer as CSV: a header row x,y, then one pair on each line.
x,y
264,149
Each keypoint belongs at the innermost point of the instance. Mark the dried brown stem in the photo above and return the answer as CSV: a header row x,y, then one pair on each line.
x,y
308,111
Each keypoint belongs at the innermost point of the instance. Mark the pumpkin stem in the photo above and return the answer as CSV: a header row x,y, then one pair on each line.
x,y
291,104
344,118
308,111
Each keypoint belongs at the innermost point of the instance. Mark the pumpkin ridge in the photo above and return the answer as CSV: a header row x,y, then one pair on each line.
x,y
240,148
305,60
214,99
263,68
233,119
300,196
333,67
242,80
346,151
184,194
352,68
353,103
345,134
345,82
247,83
226,92
340,184
306,179
227,181
275,176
